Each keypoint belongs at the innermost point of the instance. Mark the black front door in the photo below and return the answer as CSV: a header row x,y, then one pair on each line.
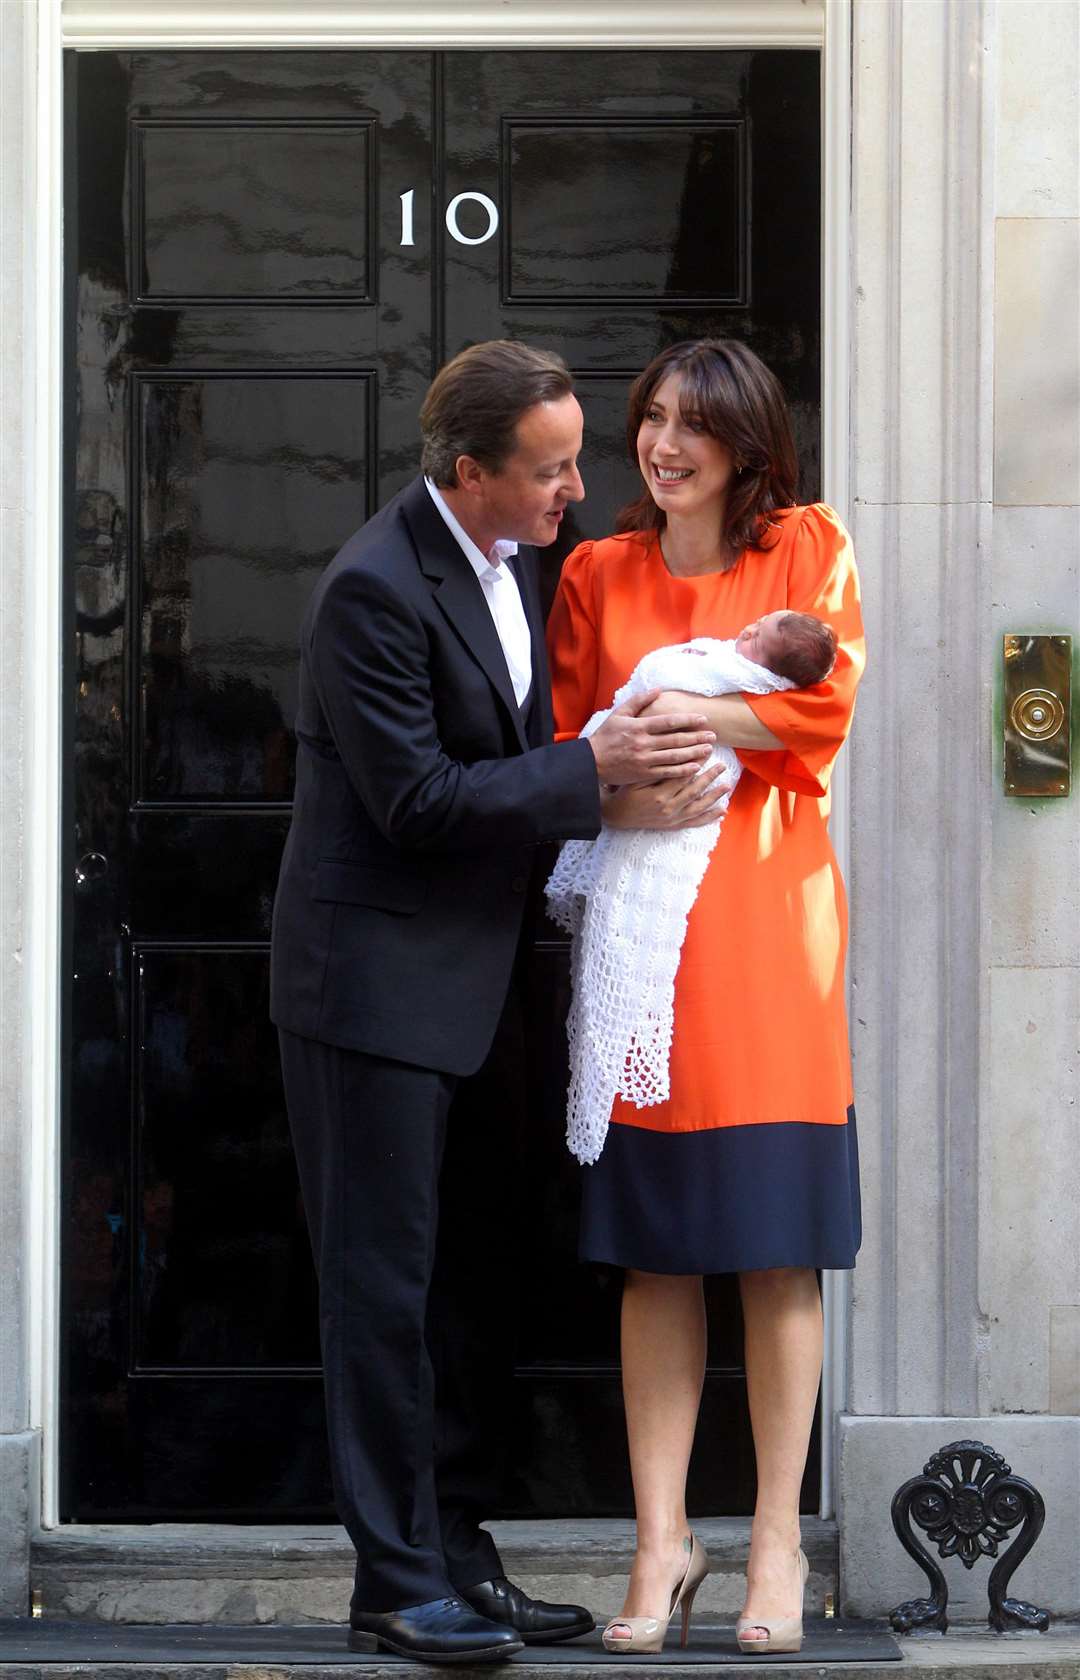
x,y
269,255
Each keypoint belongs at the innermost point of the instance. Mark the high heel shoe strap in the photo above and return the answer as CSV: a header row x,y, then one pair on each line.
x,y
647,1633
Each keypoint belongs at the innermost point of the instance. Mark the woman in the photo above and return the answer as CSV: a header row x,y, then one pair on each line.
x,y
751,1164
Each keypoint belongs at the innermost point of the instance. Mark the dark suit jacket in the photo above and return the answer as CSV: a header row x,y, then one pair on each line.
x,y
418,801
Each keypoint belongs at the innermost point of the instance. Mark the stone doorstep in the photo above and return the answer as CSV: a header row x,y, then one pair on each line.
x,y
958,1656
237,1574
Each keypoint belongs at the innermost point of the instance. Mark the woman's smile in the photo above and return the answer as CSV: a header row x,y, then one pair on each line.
x,y
685,467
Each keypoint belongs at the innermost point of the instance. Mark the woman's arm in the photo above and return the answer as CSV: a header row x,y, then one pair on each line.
x,y
802,729
728,715
812,723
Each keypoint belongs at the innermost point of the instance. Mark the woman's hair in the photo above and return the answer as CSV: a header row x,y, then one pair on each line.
x,y
741,404
475,402
809,649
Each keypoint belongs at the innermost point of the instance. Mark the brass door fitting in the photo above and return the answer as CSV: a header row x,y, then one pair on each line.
x,y
1038,679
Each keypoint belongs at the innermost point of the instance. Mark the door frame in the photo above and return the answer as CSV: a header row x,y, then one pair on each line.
x,y
434,24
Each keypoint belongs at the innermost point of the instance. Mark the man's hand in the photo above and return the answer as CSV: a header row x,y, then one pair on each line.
x,y
631,748
667,805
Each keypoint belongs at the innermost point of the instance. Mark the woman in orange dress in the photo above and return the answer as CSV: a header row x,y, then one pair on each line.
x,y
751,1165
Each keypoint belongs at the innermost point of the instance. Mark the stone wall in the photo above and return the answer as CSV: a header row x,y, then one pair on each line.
x,y
966,946
1030,1254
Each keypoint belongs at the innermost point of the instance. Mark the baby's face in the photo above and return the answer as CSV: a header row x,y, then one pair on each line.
x,y
762,641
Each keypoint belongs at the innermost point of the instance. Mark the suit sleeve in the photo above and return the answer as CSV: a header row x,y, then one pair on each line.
x,y
370,665
573,651
813,723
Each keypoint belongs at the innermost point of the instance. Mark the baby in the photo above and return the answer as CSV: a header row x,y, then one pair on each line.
x,y
790,644
624,897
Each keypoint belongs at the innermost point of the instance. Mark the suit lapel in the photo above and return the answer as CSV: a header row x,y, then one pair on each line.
x,y
459,596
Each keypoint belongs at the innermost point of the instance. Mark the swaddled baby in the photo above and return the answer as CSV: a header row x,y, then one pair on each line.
x,y
625,896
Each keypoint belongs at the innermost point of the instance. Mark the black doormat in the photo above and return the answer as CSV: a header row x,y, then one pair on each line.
x,y
106,1642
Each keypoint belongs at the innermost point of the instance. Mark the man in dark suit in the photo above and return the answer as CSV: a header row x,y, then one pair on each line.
x,y
425,780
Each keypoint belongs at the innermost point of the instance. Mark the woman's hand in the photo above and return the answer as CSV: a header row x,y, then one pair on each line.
x,y
727,715
667,805
672,700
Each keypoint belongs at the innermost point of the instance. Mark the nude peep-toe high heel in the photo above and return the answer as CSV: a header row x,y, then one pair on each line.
x,y
647,1633
782,1633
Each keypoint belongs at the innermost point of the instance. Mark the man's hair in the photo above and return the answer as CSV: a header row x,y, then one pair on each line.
x,y
809,649
476,401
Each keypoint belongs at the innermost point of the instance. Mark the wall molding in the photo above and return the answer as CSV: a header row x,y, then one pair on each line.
x,y
922,311
119,24
47,664
836,370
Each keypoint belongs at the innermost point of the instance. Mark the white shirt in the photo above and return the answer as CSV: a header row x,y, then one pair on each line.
x,y
501,594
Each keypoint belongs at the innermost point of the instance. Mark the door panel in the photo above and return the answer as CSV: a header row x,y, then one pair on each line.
x,y
245,482
224,1281
254,211
557,250
270,254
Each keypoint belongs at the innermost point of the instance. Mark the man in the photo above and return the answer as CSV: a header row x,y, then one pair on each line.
x,y
425,779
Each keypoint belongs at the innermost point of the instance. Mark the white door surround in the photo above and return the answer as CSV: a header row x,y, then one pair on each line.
x,y
36,156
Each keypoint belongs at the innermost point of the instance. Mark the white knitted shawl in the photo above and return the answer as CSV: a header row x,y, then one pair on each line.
x,y
624,898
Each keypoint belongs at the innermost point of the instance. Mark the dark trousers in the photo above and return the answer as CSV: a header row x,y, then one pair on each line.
x,y
408,1181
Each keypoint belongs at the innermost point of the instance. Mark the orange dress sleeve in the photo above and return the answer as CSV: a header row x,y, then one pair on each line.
x,y
813,723
573,652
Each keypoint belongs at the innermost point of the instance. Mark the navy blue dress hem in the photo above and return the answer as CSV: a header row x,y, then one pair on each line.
x,y
729,1199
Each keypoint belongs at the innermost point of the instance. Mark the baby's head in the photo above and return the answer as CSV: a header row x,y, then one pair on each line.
x,y
790,644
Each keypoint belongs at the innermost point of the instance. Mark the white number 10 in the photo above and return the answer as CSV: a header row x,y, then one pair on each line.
x,y
487,204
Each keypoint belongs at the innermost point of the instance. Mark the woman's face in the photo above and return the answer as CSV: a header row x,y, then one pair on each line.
x,y
686,470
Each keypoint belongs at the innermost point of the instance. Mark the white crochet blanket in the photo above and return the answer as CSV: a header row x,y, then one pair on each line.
x,y
625,898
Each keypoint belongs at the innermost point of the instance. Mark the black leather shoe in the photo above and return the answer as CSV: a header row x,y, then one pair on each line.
x,y
537,1623
444,1631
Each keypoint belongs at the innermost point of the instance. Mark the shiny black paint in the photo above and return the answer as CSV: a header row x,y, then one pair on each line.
x,y
194,180
249,343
